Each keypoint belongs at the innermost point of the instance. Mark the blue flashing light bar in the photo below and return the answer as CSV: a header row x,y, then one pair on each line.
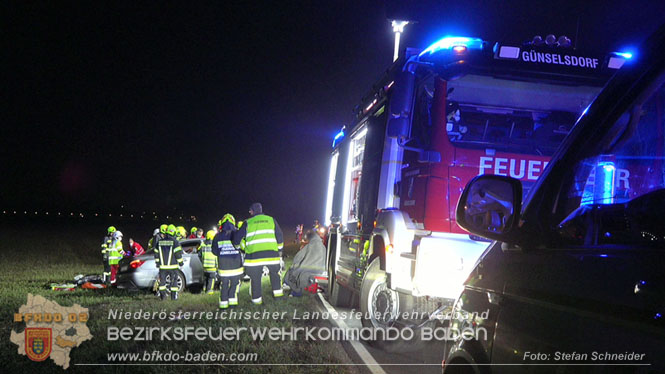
x,y
607,183
601,190
603,185
626,55
617,59
338,137
450,42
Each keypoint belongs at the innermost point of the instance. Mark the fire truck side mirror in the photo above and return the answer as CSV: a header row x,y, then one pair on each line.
x,y
490,206
401,103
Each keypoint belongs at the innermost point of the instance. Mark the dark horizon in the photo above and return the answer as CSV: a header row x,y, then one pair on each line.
x,y
203,110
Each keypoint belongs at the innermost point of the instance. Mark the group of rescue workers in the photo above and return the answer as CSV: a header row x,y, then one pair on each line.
x,y
260,239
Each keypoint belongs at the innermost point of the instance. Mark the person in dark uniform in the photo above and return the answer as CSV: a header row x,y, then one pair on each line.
x,y
168,258
229,262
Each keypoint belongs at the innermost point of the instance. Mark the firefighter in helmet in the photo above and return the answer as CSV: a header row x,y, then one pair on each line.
x,y
106,243
181,233
209,261
230,269
152,243
156,236
115,254
263,244
168,258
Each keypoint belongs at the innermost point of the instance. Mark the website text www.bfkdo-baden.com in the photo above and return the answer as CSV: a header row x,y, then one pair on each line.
x,y
156,356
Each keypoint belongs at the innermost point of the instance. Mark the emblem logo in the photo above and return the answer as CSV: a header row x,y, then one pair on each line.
x,y
38,343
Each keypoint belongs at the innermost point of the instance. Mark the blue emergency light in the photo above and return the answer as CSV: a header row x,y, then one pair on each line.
x,y
607,182
626,55
338,137
455,43
617,59
603,189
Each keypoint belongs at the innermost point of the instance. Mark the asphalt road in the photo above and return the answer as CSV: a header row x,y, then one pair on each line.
x,y
425,360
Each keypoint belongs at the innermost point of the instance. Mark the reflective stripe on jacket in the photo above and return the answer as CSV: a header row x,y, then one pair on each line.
x,y
261,234
229,258
208,258
115,252
168,253
262,261
105,246
231,272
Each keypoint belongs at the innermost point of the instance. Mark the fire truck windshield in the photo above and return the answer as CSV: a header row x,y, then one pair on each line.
x,y
515,130
516,116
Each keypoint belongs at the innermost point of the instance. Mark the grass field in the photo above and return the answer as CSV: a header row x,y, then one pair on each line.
x,y
29,263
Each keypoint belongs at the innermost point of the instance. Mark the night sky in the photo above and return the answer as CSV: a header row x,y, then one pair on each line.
x,y
204,108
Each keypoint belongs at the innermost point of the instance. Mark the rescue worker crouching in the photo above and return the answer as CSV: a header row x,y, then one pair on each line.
x,y
209,261
263,243
135,249
230,269
168,257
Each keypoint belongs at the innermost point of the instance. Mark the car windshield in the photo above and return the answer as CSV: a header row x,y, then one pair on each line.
x,y
617,195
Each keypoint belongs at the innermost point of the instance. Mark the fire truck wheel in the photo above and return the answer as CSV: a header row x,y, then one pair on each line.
x,y
381,308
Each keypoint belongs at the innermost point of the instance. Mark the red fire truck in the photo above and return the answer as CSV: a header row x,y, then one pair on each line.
x,y
460,108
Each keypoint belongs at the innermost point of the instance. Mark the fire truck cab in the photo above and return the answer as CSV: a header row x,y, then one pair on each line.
x,y
439,117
